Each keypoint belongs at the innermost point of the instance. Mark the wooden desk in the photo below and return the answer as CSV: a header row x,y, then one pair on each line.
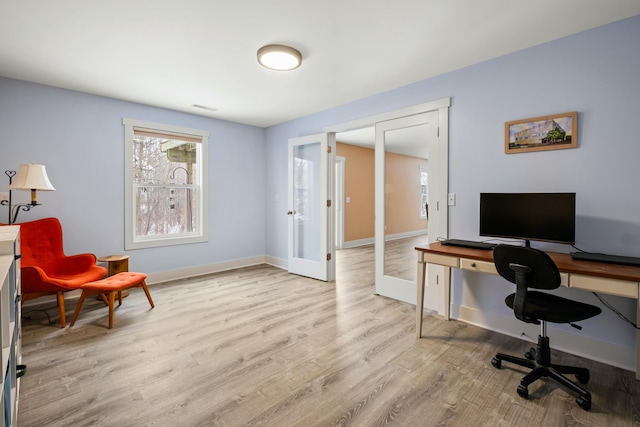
x,y
598,277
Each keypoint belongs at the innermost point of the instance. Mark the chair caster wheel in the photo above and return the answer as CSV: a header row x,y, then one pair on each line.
x,y
523,391
583,378
584,403
497,363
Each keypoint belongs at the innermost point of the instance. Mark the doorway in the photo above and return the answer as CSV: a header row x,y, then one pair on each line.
x,y
392,245
406,169
339,202
305,240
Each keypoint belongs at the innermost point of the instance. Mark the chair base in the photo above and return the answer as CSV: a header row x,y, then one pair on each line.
x,y
538,359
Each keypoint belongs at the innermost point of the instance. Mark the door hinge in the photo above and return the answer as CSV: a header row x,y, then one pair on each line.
x,y
438,131
328,257
437,206
328,203
329,149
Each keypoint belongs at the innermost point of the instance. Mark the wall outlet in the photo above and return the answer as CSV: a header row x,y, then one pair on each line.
x,y
4,195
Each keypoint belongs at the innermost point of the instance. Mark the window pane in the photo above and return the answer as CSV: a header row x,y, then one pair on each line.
x,y
166,176
164,161
165,211
423,193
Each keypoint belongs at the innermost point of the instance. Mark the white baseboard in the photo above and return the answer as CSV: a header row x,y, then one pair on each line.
x,y
387,238
404,235
277,262
587,347
167,276
356,243
201,270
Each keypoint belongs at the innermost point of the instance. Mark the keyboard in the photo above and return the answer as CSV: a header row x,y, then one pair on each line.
x,y
468,244
612,259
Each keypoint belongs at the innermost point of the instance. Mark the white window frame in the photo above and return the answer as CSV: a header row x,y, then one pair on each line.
x,y
136,242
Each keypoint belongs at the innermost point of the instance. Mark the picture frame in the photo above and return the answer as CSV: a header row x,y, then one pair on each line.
x,y
553,132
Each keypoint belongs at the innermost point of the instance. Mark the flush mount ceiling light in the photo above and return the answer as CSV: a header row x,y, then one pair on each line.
x,y
279,57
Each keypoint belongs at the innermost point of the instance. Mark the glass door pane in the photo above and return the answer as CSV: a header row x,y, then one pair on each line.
x,y
405,226
401,156
306,202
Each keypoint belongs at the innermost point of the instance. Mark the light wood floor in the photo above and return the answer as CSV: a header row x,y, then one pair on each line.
x,y
259,346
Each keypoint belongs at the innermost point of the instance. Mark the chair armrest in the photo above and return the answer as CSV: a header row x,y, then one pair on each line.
x,y
33,273
35,280
74,264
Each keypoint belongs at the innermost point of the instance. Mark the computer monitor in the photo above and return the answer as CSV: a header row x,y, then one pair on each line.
x,y
547,217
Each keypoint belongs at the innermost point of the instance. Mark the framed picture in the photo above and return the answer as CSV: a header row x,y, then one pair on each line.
x,y
553,132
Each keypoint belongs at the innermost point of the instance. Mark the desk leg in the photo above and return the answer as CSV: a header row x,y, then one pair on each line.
x,y
447,292
638,339
420,285
422,267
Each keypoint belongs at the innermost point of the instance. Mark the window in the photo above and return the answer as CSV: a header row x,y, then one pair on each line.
x,y
424,200
165,185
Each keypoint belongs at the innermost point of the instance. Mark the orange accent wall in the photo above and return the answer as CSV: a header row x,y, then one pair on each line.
x,y
403,184
359,184
402,194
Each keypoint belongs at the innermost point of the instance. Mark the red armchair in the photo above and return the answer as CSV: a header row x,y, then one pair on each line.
x,y
46,270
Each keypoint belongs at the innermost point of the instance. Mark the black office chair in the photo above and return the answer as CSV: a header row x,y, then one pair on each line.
x,y
531,268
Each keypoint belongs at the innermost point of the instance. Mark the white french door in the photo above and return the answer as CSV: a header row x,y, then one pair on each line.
x,y
311,166
422,130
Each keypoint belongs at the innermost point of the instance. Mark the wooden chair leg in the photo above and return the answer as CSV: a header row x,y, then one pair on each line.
x,y
78,307
112,299
104,299
146,291
109,299
63,314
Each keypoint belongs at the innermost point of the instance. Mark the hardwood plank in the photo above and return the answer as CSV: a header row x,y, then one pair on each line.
x,y
259,346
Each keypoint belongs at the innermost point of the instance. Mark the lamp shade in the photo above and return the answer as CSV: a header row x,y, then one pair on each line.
x,y
31,177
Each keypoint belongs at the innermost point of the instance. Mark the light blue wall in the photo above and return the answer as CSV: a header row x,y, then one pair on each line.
x,y
595,73
80,139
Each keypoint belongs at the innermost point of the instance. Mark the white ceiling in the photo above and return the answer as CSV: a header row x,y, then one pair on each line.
x,y
175,54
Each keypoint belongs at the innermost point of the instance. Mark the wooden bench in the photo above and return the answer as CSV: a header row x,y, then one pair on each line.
x,y
110,286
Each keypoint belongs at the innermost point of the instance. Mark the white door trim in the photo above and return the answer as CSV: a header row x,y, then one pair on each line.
x,y
440,104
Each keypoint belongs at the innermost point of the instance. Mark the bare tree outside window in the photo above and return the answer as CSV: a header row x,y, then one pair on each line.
x,y
165,188
424,193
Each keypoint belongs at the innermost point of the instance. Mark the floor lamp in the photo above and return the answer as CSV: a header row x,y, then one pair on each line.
x,y
29,177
